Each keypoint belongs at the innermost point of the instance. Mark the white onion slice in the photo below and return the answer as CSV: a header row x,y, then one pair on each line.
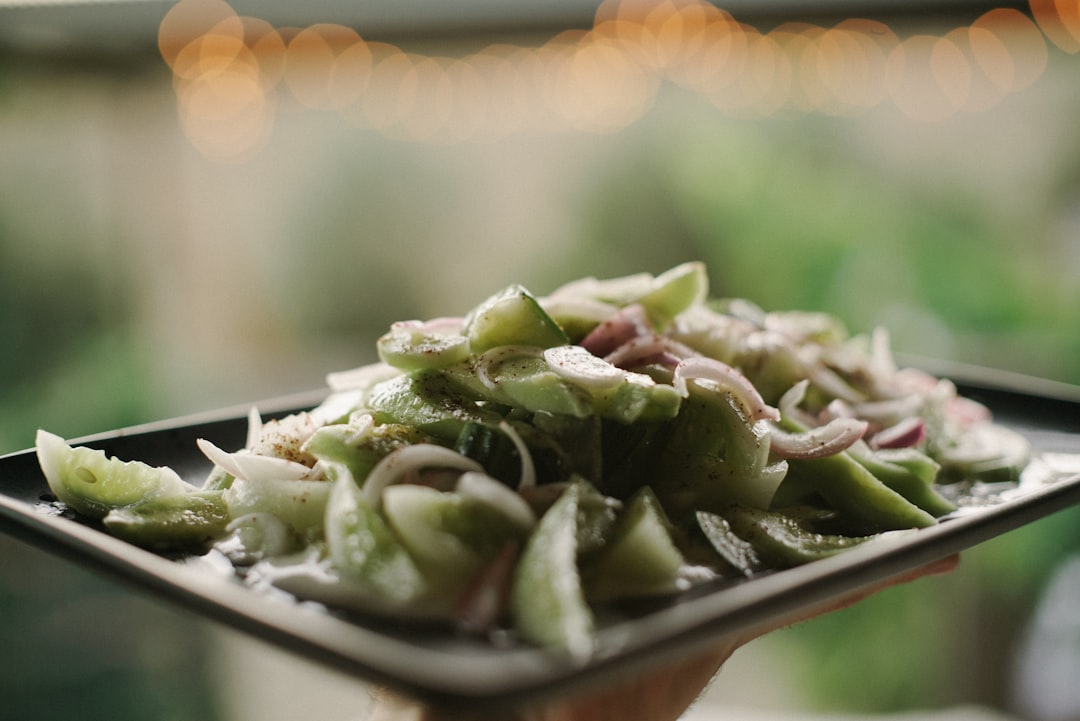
x,y
255,536
881,362
254,431
528,469
488,359
252,467
361,378
729,379
336,406
789,405
891,410
449,325
583,368
832,383
838,409
837,435
905,434
284,438
485,489
766,484
410,459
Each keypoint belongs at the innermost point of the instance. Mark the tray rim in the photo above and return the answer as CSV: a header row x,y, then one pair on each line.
x,y
424,672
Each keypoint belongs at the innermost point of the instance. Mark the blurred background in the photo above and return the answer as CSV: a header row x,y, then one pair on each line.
x,y
205,204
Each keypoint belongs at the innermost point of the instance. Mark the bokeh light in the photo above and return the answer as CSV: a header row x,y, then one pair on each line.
x,y
230,72
326,66
1060,20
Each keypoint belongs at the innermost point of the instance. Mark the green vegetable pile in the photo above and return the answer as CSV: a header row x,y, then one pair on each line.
x,y
522,466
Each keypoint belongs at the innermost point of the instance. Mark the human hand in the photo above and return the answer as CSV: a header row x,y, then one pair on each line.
x,y
663,694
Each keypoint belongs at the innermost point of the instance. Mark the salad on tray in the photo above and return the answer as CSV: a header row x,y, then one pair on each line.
x,y
516,470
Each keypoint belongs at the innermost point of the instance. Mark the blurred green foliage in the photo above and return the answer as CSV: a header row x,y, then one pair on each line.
x,y
791,217
942,641
75,645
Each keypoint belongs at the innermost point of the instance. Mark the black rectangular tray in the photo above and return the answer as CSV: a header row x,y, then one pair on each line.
x,y
441,666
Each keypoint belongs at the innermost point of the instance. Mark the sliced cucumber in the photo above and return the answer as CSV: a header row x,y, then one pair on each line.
x,y
735,551
419,517
663,296
360,444
93,484
512,317
781,541
188,521
364,549
854,491
640,559
429,402
300,504
674,291
616,394
529,382
546,600
450,536
407,346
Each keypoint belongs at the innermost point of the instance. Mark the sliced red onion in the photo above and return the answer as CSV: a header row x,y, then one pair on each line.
x,y
252,467
838,409
832,383
889,411
905,434
728,379
913,380
964,412
484,601
967,412
412,459
649,348
627,323
789,405
835,436
665,360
